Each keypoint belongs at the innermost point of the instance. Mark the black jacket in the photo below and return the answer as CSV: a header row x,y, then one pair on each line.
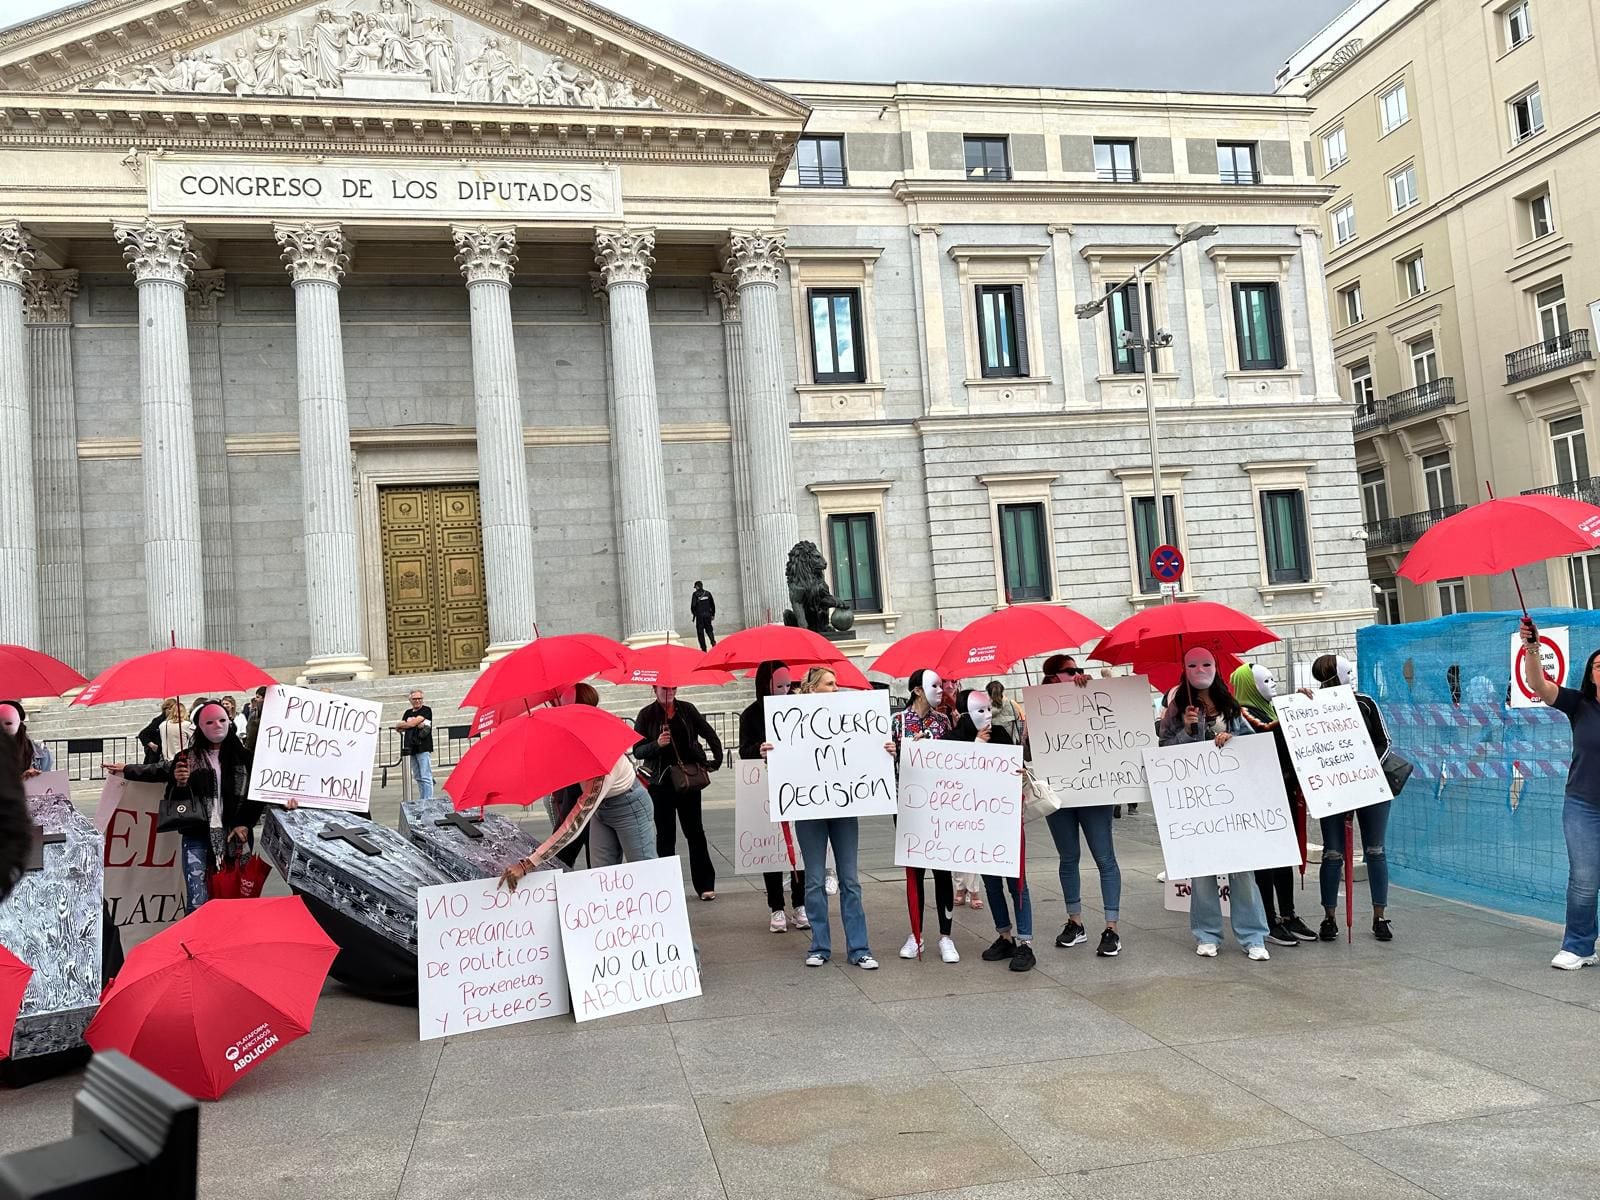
x,y
689,729
1263,723
702,605
752,731
419,738
1374,719
237,809
966,730
151,734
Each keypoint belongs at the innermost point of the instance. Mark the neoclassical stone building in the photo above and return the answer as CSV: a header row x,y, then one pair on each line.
x,y
368,336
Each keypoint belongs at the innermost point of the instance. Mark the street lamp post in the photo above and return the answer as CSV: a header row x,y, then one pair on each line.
x,y
1147,342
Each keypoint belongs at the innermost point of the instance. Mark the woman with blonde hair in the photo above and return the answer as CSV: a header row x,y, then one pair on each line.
x,y
176,732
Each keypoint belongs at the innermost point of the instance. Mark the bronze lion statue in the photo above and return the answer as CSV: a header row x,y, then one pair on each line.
x,y
811,601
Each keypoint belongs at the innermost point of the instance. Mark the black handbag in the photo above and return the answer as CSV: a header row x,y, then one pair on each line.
x,y
686,777
182,814
1397,768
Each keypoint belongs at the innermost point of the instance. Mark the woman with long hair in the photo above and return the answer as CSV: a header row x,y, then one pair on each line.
x,y
671,733
773,679
176,729
34,758
919,720
1013,941
16,826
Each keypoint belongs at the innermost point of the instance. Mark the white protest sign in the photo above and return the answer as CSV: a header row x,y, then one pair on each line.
x,y
1333,755
759,842
487,956
828,757
625,934
1221,809
315,748
144,880
960,807
1175,894
1554,652
1089,742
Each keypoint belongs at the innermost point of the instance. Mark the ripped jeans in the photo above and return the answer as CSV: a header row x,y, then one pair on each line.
x,y
1374,822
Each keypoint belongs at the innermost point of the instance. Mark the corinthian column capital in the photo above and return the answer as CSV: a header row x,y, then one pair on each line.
x,y
16,254
727,293
755,256
47,298
486,253
313,252
625,255
155,250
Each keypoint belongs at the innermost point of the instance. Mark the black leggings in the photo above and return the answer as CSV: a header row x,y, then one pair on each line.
x,y
944,895
797,889
672,809
1279,880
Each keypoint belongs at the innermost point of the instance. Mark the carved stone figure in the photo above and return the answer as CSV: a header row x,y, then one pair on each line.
x,y
438,56
812,602
330,42
493,74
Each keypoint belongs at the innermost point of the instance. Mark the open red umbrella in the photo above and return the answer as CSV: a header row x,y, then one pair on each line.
x,y
1165,632
782,643
666,666
1164,673
997,641
538,753
14,976
25,673
913,651
847,675
538,671
205,1000
177,671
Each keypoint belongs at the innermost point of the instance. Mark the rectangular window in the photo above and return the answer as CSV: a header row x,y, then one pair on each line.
x,y
1344,223
1583,570
1145,538
1439,481
1393,111
853,538
1519,25
1424,361
1541,215
987,158
1413,275
836,336
1002,334
1115,160
1259,325
1350,304
820,161
1375,495
1570,449
1236,162
1550,311
1386,594
1283,525
1333,149
1024,552
1527,116
1362,390
1122,310
1452,597
1403,188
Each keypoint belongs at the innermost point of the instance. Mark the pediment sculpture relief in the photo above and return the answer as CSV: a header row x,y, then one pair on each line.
x,y
379,49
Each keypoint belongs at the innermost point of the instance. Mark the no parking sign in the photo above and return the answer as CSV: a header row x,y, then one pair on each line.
x,y
1553,651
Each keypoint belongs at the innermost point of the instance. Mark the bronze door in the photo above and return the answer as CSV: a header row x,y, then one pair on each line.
x,y
435,608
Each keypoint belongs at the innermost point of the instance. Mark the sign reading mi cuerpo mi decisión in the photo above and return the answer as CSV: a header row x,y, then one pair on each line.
x,y
276,188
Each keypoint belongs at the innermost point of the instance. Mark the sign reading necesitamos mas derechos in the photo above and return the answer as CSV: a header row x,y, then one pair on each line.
x,y
828,757
315,748
1333,755
1221,809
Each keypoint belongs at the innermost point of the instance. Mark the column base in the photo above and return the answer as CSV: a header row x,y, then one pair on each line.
x,y
334,668
665,637
498,651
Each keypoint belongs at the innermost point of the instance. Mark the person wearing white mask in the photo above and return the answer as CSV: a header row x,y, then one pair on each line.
x,y
1013,940
1202,708
33,757
917,721
773,679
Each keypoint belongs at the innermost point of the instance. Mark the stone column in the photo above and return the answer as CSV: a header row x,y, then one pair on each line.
x,y
487,256
930,295
316,258
211,455
159,255
754,260
1321,328
19,547
625,258
739,418
58,500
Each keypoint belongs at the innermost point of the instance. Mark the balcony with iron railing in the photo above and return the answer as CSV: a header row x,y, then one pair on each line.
x,y
1408,527
1563,350
1587,490
1402,406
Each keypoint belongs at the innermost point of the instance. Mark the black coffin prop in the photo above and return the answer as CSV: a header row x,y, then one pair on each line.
x,y
462,845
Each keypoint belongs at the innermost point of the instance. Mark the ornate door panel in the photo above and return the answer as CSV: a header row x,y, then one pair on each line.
x,y
436,612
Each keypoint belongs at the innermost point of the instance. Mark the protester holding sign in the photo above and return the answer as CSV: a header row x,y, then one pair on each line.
x,y
16,826
670,735
1202,708
921,719
772,679
34,757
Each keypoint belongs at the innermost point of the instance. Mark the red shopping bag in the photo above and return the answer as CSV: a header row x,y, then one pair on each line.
x,y
252,872
224,881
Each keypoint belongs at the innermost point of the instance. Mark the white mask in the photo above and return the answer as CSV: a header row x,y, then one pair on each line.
x,y
10,719
1266,681
1346,670
781,681
213,722
1200,669
980,709
931,685
666,695
569,695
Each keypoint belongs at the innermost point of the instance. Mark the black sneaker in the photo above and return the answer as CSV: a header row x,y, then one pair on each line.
x,y
1117,812
1300,929
1381,930
1132,808
1279,935
1072,934
1022,957
1328,931
1003,948
1110,944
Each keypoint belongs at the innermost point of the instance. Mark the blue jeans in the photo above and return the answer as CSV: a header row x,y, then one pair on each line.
x,y
814,837
1374,822
623,828
1580,821
997,886
422,772
1095,823
1244,904
198,863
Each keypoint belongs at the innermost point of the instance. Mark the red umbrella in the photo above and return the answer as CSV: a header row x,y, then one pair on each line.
x,y
539,753
205,1000
14,976
1165,673
25,672
913,651
666,666
783,643
847,675
491,716
174,672
541,669
997,641
1164,632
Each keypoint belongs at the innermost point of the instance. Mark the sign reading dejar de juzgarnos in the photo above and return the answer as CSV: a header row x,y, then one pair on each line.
x,y
259,187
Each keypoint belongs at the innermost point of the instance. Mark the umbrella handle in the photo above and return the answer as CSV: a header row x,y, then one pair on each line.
x,y
1517,583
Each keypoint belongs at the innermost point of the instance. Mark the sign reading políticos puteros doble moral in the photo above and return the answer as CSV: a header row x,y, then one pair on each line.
x,y
181,186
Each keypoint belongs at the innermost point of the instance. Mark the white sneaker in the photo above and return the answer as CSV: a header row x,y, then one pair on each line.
x,y
868,963
815,960
912,948
1206,949
1257,953
948,951
830,884
779,922
800,920
1568,961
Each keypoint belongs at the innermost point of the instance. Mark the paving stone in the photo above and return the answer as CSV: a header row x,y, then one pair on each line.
x,y
1324,1169
1017,1027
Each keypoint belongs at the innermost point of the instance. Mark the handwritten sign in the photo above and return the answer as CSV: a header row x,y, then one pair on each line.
x,y
1555,652
759,844
1221,809
316,748
1090,741
488,957
144,881
1333,755
1176,894
960,807
625,934
828,757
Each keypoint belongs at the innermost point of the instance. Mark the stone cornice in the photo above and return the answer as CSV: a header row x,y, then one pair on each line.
x,y
1089,192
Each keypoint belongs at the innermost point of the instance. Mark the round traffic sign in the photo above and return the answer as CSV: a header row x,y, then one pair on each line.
x,y
1166,564
1550,657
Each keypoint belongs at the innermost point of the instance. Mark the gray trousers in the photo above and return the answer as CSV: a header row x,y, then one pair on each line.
x,y
623,828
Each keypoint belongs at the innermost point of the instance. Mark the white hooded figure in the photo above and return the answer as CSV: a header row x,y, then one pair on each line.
x,y
1266,681
980,708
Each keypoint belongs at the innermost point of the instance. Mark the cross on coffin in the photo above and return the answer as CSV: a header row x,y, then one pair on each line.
x,y
41,839
467,825
353,834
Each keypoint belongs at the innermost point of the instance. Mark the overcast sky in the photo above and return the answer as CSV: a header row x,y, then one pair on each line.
x,y
1208,45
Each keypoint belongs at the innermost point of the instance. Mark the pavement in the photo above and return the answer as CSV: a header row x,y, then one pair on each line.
x,y
1452,1062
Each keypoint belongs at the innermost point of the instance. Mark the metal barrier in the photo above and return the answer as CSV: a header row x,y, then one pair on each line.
x,y
85,758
